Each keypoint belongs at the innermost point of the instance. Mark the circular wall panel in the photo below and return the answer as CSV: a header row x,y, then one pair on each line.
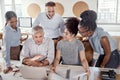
x,y
79,7
33,10
60,8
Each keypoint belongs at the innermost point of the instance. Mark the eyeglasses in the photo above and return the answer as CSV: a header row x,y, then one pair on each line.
x,y
83,32
66,33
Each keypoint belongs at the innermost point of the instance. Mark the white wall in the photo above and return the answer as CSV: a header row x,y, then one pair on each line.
x,y
67,4
114,30
26,3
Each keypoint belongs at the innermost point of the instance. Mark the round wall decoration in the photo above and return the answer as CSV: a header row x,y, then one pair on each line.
x,y
33,10
79,7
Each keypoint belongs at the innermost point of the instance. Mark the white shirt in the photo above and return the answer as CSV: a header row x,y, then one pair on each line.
x,y
53,27
30,49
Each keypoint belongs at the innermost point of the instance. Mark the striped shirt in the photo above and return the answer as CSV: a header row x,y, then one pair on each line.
x,y
53,27
31,49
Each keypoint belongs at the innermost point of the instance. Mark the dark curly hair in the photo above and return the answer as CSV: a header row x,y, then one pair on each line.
x,y
88,20
72,25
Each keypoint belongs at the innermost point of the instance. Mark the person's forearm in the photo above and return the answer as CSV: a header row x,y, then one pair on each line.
x,y
25,60
56,62
29,62
23,39
85,64
105,60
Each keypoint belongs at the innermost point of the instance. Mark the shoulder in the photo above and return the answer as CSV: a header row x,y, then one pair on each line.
x,y
28,41
7,28
58,16
61,42
77,41
46,39
100,31
41,14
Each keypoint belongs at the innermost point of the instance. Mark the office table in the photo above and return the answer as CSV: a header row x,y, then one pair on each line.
x,y
61,72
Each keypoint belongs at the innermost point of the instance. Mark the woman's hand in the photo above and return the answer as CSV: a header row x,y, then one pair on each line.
x,y
52,68
88,73
23,39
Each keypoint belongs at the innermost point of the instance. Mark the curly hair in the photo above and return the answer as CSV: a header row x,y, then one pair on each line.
x,y
72,25
88,20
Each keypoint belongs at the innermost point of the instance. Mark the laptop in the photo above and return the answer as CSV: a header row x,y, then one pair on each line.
x,y
29,72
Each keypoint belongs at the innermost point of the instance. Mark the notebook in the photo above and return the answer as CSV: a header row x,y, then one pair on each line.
x,y
29,72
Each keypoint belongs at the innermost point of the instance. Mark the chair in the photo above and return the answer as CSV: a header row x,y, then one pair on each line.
x,y
88,51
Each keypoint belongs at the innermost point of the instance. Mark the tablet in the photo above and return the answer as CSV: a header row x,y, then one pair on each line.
x,y
42,59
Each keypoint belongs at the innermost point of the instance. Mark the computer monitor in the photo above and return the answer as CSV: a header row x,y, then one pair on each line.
x,y
25,22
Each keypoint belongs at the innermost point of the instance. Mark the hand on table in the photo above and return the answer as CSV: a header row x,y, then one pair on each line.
x,y
34,63
52,69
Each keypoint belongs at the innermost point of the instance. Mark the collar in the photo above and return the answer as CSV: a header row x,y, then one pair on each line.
x,y
94,34
48,16
44,40
12,28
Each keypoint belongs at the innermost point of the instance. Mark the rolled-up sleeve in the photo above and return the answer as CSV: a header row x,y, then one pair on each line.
x,y
50,51
25,51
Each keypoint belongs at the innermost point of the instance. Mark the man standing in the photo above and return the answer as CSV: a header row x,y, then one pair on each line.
x,y
51,22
